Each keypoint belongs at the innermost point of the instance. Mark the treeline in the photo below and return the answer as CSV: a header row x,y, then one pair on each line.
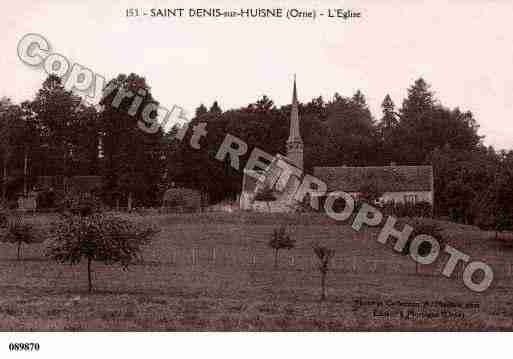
x,y
58,135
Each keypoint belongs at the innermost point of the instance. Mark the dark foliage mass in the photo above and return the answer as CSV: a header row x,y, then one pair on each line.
x,y
59,136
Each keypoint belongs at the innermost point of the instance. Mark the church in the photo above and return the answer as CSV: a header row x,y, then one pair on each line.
x,y
397,184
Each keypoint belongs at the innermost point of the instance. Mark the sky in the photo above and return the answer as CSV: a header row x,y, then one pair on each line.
x,y
463,48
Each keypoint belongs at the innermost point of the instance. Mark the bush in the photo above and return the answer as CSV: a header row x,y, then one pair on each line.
x,y
98,237
18,232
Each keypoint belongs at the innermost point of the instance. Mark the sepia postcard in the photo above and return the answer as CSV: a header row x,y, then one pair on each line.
x,y
244,166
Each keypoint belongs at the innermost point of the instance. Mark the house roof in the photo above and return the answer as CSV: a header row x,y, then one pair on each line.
x,y
388,178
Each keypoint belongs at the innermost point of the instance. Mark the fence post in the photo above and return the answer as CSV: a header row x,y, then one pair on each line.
x,y
354,264
214,254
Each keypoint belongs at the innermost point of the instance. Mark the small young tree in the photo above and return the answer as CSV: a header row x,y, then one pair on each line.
x,y
18,232
324,255
280,240
100,238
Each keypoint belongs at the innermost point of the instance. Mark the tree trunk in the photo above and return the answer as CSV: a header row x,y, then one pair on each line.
x,y
323,286
25,173
129,202
89,279
4,181
19,251
275,258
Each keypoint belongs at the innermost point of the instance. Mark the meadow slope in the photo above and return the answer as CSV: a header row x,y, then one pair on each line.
x,y
215,272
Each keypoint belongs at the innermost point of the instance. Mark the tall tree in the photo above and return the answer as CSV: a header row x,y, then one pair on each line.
x,y
386,127
352,134
420,100
55,109
133,157
10,126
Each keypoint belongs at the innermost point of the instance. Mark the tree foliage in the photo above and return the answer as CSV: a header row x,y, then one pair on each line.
x,y
98,237
58,135
18,231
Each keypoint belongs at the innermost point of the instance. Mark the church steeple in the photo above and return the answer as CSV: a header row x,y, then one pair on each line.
x,y
294,142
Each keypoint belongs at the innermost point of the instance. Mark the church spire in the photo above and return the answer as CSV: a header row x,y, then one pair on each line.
x,y
294,134
294,142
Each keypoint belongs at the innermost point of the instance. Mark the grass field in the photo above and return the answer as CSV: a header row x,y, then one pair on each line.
x,y
215,272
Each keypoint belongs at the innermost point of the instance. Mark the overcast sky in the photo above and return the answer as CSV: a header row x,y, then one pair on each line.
x,y
464,49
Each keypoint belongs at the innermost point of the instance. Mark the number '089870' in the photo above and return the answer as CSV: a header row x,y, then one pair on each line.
x,y
23,347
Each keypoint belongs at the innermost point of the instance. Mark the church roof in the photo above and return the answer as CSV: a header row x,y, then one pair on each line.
x,y
388,178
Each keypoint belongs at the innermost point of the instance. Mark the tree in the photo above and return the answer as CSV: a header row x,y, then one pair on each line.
x,y
100,238
134,158
352,134
215,109
324,254
494,205
420,100
280,240
11,128
462,182
386,127
389,119
425,125
201,110
18,232
56,110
